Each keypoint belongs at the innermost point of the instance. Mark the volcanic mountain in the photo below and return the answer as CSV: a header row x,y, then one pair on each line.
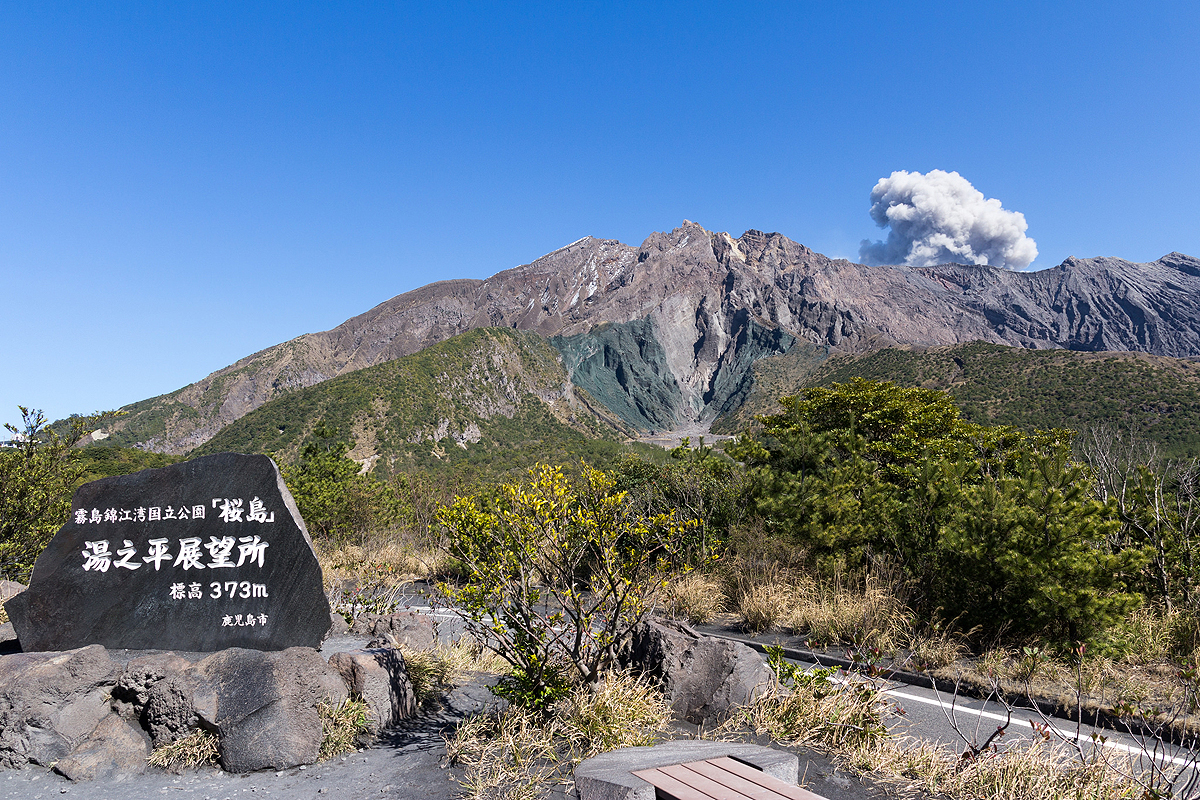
x,y
664,334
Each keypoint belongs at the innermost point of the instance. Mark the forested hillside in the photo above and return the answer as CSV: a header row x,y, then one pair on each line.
x,y
1155,397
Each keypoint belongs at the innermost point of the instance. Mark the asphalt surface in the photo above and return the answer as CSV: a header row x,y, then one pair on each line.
x,y
961,721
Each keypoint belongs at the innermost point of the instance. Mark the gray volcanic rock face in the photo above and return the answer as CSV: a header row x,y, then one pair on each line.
x,y
688,311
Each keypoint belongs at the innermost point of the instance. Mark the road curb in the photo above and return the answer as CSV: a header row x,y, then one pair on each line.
x,y
1051,709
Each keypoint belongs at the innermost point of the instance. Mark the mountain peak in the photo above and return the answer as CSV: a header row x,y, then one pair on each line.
x,y
665,334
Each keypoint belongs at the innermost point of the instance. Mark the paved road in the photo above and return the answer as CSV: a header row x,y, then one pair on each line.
x,y
943,718
940,717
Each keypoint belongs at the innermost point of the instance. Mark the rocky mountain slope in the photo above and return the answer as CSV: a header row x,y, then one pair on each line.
x,y
664,334
490,400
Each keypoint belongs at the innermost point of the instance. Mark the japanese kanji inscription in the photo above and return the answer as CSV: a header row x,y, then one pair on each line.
x,y
198,556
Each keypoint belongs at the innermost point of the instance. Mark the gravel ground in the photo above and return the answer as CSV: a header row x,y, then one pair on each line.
x,y
405,765
387,771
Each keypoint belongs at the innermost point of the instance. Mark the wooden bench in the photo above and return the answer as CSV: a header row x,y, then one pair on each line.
x,y
721,778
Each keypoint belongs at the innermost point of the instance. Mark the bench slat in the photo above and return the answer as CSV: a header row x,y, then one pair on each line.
x,y
750,773
710,788
671,786
752,787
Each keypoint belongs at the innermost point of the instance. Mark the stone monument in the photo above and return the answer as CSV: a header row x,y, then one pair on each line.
x,y
199,556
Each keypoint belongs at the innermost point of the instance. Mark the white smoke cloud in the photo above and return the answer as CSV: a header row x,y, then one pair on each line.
x,y
940,217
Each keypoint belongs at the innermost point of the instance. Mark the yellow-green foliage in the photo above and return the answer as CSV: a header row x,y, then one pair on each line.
x,y
36,481
557,573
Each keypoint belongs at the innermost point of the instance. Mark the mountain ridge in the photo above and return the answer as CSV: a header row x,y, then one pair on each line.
x,y
665,333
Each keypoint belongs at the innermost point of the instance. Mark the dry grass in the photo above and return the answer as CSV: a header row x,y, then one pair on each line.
x,y
936,646
763,606
695,597
197,749
847,718
341,726
1032,771
432,671
516,755
828,612
819,710
834,614
384,561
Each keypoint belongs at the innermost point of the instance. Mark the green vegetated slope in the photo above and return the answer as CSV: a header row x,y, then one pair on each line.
x,y
489,401
148,420
1154,396
104,461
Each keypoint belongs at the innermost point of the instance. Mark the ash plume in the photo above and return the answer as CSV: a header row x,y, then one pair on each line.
x,y
938,217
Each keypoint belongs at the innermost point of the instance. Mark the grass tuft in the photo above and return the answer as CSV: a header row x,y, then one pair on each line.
x,y
433,670
341,725
514,755
197,749
695,597
764,605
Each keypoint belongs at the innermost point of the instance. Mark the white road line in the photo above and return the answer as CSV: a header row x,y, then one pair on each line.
x,y
1065,734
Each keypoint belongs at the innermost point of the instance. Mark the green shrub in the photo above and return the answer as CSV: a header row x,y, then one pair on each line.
x,y
558,573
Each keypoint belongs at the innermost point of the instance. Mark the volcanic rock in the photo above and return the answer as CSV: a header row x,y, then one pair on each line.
x,y
198,556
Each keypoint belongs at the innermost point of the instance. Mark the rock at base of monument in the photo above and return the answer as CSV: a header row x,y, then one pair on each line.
x,y
153,690
704,678
115,747
71,707
50,702
10,589
263,705
280,735
380,677
199,556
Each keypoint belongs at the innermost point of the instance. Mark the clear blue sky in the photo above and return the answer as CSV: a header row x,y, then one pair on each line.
x,y
184,184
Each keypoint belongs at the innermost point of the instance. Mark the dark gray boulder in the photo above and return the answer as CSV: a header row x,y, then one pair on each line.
x,y
380,677
705,679
199,556
116,747
278,735
263,705
51,702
